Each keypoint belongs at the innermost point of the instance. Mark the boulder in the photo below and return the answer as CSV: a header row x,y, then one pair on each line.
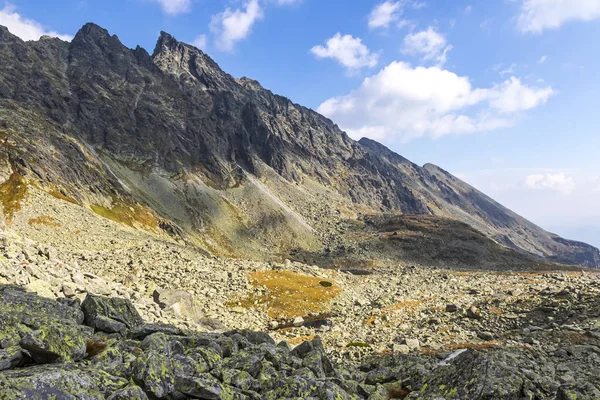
x,y
110,315
178,302
55,343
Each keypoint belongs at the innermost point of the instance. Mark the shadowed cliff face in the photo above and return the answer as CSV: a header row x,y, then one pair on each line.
x,y
241,169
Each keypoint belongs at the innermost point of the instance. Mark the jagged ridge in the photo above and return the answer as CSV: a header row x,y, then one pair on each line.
x,y
225,158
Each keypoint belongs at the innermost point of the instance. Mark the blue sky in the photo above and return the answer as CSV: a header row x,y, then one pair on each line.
x,y
502,93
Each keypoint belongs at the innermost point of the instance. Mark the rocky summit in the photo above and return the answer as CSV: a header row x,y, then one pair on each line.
x,y
170,142
171,232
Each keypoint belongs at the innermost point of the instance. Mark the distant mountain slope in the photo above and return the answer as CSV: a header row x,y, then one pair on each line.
x,y
240,170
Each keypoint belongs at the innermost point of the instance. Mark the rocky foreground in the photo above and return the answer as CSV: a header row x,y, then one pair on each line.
x,y
102,349
403,332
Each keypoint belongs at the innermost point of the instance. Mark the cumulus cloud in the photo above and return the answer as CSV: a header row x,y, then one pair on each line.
x,y
390,12
349,51
512,96
174,7
26,29
552,181
384,14
429,44
404,102
538,15
231,26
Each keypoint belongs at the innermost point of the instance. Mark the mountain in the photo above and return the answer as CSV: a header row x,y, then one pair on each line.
x,y
170,143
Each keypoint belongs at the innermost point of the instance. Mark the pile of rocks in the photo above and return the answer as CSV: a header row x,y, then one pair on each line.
x,y
103,349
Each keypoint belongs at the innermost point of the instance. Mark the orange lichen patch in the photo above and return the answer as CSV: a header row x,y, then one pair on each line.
x,y
474,346
496,311
44,220
409,307
12,193
529,274
301,339
462,273
126,213
289,294
406,305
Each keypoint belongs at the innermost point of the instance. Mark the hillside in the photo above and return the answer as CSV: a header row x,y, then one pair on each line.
x,y
171,144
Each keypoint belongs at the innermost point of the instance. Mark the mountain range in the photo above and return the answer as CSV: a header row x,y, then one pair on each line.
x,y
170,143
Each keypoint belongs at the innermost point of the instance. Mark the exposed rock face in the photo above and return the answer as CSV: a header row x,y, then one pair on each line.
x,y
241,170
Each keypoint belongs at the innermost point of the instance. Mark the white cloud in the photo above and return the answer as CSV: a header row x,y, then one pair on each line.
x,y
389,12
512,96
174,7
468,9
429,44
231,26
538,15
200,42
402,102
542,59
384,14
558,182
348,51
26,29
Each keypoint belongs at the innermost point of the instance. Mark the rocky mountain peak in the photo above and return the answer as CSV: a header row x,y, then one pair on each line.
x,y
93,32
241,159
250,84
188,63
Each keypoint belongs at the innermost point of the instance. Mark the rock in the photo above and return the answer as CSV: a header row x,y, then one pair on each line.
x,y
41,287
142,331
178,302
128,393
204,386
400,348
116,309
10,357
58,381
451,308
485,335
380,393
55,343
298,321
154,373
412,344
473,312
68,291
109,325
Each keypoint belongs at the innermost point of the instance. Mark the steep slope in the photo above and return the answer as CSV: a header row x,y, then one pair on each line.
x,y
240,170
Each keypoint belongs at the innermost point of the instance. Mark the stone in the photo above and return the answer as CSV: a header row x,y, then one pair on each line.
x,y
10,357
451,308
55,343
178,302
41,287
119,310
128,393
298,321
400,348
413,344
142,331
